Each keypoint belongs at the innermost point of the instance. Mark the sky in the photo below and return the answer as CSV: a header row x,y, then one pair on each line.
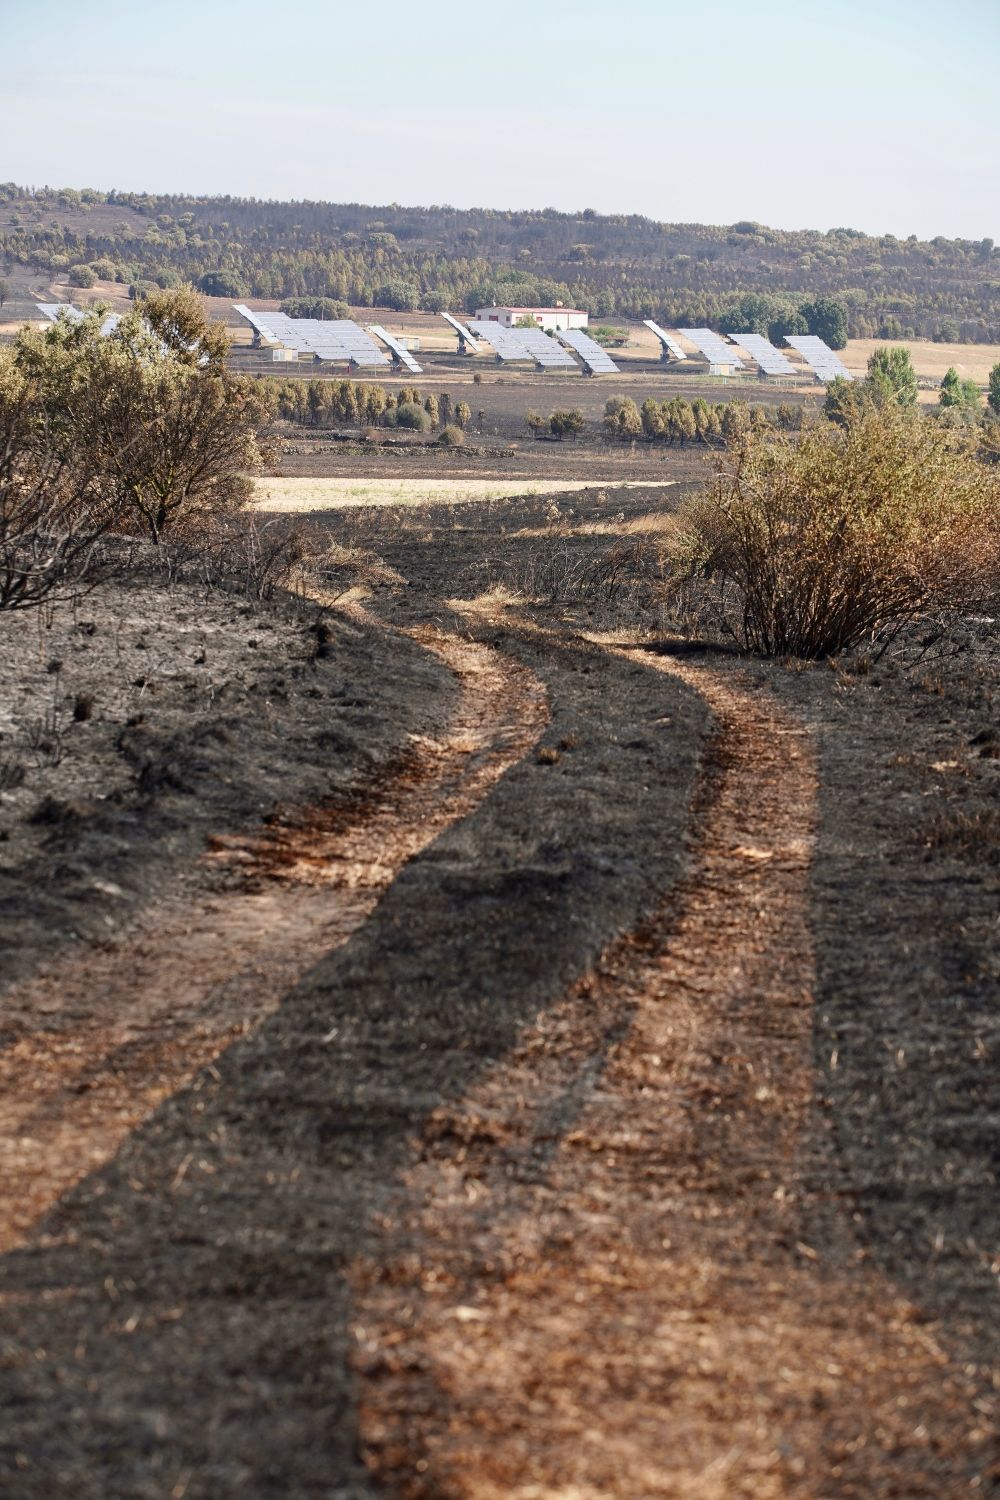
x,y
877,115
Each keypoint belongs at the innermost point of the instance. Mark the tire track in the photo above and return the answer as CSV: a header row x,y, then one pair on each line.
x,y
133,1022
613,1270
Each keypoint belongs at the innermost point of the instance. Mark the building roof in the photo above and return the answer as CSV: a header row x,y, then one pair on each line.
x,y
505,307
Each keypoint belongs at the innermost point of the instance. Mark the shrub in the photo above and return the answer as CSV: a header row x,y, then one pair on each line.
x,y
567,423
81,276
451,436
315,307
820,545
410,414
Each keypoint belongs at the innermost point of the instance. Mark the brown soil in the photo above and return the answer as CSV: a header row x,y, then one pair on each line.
x,y
602,1284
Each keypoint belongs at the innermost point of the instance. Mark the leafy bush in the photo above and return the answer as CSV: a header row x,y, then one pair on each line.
x,y
817,546
451,436
410,414
82,276
315,307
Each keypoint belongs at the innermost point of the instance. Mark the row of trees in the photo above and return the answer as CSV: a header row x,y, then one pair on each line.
x,y
619,265
354,403
139,432
679,421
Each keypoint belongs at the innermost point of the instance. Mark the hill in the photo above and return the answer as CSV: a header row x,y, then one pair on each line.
x,y
745,274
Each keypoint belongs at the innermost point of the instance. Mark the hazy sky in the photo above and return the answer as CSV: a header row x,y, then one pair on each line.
x,y
877,114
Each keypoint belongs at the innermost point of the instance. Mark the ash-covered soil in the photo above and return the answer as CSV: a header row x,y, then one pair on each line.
x,y
637,1137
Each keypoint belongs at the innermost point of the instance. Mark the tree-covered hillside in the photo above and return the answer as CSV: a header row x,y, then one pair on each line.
x,y
441,257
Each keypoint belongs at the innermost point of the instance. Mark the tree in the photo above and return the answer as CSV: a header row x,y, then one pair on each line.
x,y
151,410
53,512
4,290
566,423
315,307
463,414
621,418
222,284
993,390
958,394
81,276
892,378
432,409
535,423
827,319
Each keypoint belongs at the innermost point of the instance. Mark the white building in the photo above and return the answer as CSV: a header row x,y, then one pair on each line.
x,y
545,317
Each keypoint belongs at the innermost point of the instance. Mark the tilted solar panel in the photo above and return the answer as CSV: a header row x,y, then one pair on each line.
x,y
818,355
403,355
770,359
463,333
714,348
666,339
597,360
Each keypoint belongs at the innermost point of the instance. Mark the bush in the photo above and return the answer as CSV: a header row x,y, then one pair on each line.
x,y
411,415
818,546
81,276
451,436
222,284
329,308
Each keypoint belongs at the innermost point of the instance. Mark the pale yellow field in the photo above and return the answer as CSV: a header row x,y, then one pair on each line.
x,y
337,494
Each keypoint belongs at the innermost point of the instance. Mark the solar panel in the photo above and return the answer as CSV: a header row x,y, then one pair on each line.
x,y
258,322
770,359
403,355
818,355
547,352
465,337
668,341
335,339
714,348
595,359
506,342
53,309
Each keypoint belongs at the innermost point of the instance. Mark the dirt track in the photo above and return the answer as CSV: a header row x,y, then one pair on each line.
x,y
474,1132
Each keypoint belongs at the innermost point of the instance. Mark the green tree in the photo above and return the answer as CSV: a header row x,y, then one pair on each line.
x,y
222,284
566,423
535,423
328,308
891,377
81,276
826,319
993,390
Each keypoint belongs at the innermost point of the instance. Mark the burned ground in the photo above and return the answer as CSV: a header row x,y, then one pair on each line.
x,y
638,1136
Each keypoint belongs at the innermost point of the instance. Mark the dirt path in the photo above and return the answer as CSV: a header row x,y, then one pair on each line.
x,y
609,1272
129,1024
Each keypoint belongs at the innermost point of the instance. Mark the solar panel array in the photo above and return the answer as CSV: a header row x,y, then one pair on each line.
x,y
666,339
462,332
53,309
596,359
714,348
818,356
403,355
770,359
336,339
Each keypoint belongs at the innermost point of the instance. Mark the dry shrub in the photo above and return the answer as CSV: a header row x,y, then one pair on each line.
x,y
814,547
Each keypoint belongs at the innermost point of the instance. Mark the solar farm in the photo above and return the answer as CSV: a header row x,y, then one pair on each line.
x,y
572,351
